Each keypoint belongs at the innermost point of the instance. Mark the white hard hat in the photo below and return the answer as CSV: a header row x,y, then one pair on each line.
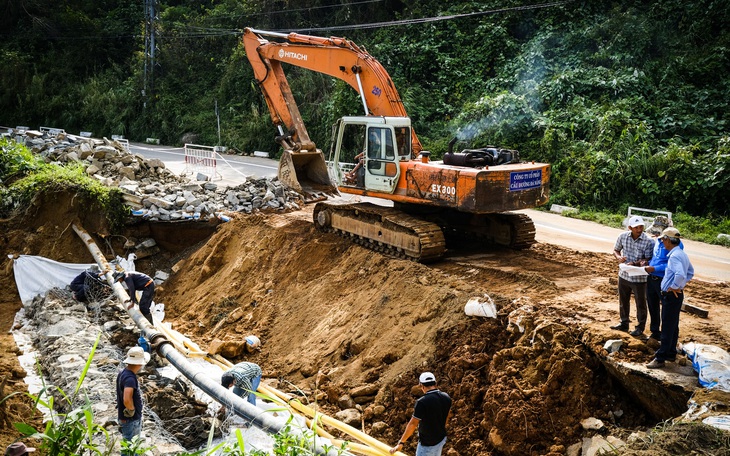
x,y
636,221
252,342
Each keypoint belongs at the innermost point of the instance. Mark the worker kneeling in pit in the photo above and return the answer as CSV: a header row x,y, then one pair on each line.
x,y
245,378
137,281
86,282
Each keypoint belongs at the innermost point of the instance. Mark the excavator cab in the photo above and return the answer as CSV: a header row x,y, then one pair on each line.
x,y
366,152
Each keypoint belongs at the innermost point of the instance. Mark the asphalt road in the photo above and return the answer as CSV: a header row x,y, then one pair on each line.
x,y
711,262
229,170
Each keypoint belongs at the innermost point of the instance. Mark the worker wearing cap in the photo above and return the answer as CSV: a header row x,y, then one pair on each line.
x,y
634,248
679,271
656,267
137,281
129,398
430,415
18,449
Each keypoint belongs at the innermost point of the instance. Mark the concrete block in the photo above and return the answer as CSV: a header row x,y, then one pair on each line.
x,y
695,310
562,209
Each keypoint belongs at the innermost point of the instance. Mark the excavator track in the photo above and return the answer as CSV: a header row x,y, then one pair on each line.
x,y
507,229
523,230
516,231
383,229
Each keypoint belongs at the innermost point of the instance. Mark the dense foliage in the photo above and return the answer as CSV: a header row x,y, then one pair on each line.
x,y
628,100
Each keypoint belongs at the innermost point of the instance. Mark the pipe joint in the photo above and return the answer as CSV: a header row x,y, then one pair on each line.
x,y
156,340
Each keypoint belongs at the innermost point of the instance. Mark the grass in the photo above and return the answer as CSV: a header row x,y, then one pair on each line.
x,y
23,176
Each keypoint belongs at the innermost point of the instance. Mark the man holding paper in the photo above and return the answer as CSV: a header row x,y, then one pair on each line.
x,y
632,248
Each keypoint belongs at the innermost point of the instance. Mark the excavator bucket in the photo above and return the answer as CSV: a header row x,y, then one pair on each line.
x,y
306,173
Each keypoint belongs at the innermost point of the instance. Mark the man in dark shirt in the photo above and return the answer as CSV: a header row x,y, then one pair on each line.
x,y
80,285
129,399
430,415
138,281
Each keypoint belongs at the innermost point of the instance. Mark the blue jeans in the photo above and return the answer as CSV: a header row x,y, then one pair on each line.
x,y
130,430
251,396
435,450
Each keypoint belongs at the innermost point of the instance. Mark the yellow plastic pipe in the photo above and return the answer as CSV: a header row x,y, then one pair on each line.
x,y
347,429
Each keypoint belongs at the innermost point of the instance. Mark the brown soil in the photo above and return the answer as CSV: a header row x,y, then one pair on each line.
x,y
334,316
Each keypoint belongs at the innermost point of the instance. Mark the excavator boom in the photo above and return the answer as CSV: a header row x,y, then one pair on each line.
x,y
337,57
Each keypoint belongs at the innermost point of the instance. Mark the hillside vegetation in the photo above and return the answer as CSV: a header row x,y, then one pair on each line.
x,y
628,100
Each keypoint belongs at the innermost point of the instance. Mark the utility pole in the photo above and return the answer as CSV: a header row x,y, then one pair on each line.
x,y
218,118
150,14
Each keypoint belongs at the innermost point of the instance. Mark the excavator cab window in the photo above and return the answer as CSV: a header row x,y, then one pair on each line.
x,y
353,143
380,150
403,142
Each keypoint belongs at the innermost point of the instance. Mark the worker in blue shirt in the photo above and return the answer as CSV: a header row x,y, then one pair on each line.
x,y
678,272
656,267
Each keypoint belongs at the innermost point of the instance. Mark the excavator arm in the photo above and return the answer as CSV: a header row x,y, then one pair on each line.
x,y
337,57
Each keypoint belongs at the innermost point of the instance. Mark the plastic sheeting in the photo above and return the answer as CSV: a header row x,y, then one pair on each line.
x,y
35,275
711,363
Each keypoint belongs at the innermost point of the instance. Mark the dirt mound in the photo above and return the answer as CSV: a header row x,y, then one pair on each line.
x,y
324,306
342,324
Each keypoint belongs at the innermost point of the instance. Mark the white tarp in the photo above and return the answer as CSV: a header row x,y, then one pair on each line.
x,y
35,275
711,363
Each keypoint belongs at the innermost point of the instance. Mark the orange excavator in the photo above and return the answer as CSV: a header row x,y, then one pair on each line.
x,y
466,196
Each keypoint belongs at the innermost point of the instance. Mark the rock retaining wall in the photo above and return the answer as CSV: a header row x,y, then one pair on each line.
x,y
64,330
151,190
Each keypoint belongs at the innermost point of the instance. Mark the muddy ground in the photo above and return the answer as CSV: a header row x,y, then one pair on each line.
x,y
334,316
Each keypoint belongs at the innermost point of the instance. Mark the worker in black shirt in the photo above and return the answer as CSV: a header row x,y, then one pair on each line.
x,y
430,415
81,284
138,281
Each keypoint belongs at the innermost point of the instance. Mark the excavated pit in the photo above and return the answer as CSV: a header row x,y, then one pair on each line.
x,y
343,325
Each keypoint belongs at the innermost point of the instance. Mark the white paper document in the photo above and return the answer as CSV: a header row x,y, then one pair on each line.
x,y
633,270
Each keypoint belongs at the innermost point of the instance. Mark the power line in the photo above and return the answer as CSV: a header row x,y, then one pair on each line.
x,y
225,32
269,13
206,32
429,19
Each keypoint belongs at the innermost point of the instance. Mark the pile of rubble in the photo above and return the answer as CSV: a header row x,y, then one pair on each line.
x,y
64,330
150,189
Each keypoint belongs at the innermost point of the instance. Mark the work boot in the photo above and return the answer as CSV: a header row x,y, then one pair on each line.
x,y
620,327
